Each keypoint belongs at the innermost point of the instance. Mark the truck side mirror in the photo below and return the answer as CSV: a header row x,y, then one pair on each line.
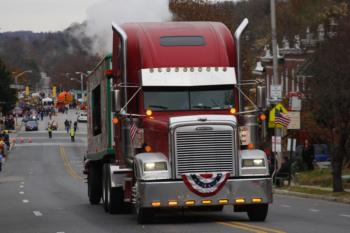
x,y
116,100
261,96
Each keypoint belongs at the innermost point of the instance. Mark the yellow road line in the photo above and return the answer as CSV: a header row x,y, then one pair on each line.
x,y
68,166
259,227
232,224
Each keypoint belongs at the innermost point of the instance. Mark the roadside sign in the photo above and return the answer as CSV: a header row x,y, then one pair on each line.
x,y
289,144
54,91
272,115
294,120
244,135
276,92
276,144
295,103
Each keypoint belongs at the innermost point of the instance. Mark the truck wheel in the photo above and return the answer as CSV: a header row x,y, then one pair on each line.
x,y
257,213
144,215
113,197
95,184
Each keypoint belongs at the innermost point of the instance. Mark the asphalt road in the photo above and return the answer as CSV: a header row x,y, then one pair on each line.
x,y
42,190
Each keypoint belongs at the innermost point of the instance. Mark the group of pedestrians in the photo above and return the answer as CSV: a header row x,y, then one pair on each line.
x,y
70,127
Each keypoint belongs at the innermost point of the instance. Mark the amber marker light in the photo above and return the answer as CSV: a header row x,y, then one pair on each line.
x,y
262,117
233,111
155,203
240,200
148,148
206,202
256,200
149,112
190,202
115,120
250,146
223,201
172,203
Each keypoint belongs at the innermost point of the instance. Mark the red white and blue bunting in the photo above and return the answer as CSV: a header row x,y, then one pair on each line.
x,y
205,185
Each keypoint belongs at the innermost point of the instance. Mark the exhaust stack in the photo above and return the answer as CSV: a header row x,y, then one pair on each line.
x,y
238,33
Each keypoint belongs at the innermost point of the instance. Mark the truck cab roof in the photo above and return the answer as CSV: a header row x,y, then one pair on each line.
x,y
179,44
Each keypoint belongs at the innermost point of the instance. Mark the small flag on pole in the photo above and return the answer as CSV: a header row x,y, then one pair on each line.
x,y
282,118
133,130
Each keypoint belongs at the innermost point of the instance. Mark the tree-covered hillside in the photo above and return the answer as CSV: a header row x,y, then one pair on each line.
x,y
61,52
53,53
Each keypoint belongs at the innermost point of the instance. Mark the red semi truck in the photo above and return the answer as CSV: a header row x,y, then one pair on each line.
x,y
164,115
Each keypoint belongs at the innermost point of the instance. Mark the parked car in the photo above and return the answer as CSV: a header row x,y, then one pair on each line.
x,y
82,117
31,125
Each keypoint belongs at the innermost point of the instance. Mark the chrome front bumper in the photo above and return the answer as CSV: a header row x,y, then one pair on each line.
x,y
234,189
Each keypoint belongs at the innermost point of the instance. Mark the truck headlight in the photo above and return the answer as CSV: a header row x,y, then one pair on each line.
x,y
152,166
155,166
253,163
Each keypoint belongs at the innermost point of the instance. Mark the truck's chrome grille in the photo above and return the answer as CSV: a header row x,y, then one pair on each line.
x,y
199,151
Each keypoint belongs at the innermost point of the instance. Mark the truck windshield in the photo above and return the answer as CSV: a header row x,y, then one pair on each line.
x,y
198,98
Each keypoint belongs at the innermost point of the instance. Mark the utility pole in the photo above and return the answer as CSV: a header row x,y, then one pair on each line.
x,y
82,74
274,43
275,80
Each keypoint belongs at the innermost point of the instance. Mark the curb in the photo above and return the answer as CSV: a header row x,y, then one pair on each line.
x,y
307,195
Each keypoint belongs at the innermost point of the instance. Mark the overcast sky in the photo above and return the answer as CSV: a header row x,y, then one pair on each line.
x,y
44,15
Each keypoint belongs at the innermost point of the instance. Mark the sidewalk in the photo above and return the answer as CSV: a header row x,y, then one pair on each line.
x,y
317,192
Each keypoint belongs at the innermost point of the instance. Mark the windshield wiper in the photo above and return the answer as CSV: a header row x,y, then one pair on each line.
x,y
201,106
158,106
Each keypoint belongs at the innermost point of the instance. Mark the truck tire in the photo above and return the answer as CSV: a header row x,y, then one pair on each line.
x,y
257,213
113,197
95,184
144,215
116,200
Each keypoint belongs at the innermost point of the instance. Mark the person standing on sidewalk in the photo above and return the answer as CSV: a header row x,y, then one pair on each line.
x,y
3,152
7,139
1,157
308,155
72,133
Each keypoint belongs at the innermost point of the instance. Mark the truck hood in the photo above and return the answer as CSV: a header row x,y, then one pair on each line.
x,y
156,128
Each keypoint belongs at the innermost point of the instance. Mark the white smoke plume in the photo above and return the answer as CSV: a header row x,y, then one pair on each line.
x,y
102,14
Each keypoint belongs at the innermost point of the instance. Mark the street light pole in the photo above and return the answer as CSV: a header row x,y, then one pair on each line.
x,y
20,74
274,42
82,84
275,80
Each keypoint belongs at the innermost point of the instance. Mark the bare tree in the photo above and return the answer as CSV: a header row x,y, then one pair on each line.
x,y
330,96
